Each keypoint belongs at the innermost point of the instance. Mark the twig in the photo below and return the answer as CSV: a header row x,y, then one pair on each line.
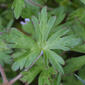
x,y
15,79
38,5
3,75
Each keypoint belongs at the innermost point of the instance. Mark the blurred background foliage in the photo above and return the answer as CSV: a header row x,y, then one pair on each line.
x,y
70,13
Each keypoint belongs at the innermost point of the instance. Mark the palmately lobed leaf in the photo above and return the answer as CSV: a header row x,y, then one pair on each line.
x,y
55,60
63,43
5,58
20,40
30,75
42,42
25,60
55,56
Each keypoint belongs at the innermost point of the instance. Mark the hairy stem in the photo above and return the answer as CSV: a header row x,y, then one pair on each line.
x,y
15,79
3,75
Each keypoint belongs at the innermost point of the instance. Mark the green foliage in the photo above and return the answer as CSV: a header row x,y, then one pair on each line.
x,y
74,64
45,44
71,80
4,53
31,74
83,1
40,48
17,7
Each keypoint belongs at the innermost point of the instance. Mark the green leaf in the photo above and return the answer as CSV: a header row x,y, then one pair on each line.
x,y
32,58
45,77
77,16
9,25
55,60
50,24
58,41
33,10
59,13
80,48
70,80
74,64
25,60
17,6
30,75
43,22
20,60
79,29
55,56
28,28
59,79
4,58
83,1
59,33
3,45
36,26
20,40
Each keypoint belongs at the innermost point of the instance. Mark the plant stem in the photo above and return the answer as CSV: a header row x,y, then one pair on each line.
x,y
15,79
3,75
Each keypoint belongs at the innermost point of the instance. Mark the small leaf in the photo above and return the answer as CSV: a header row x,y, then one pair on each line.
x,y
55,60
18,5
63,42
4,58
59,13
59,79
45,77
80,48
79,29
31,58
20,40
56,57
43,22
36,26
31,74
51,22
59,33
74,64
25,60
